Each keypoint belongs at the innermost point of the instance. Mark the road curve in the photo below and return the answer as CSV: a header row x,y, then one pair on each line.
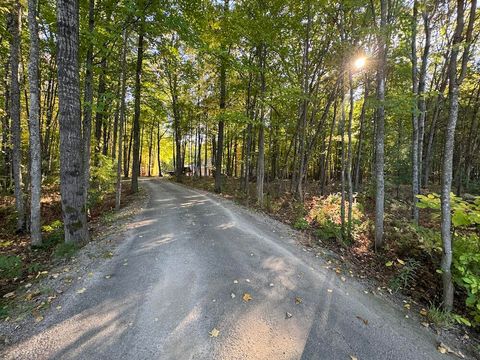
x,y
172,282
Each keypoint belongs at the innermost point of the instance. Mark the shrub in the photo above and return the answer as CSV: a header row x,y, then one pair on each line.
x,y
406,276
466,246
64,250
301,224
326,214
103,178
466,271
329,231
10,266
54,225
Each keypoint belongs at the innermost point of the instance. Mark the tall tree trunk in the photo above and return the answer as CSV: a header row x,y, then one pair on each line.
x,y
136,118
100,110
304,108
454,83
325,172
198,165
421,93
261,128
349,159
177,154
150,152
14,26
358,162
123,86
415,123
88,100
205,164
5,148
342,165
380,133
159,159
72,170
34,123
222,105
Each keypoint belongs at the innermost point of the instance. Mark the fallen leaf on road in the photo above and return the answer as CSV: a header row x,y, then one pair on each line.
x,y
407,306
423,312
389,263
247,297
365,321
9,295
298,300
214,333
37,316
443,349
81,291
401,262
425,324
288,315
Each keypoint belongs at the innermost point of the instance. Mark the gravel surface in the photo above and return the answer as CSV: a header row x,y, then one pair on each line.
x,y
185,268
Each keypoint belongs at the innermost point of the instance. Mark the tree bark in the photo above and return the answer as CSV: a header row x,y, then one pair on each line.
x,y
421,96
34,124
222,105
88,100
455,80
358,162
349,159
303,108
380,129
415,122
136,118
14,26
261,128
72,169
123,85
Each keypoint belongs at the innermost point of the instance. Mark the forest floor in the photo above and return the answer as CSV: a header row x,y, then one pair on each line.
x,y
194,275
384,271
22,266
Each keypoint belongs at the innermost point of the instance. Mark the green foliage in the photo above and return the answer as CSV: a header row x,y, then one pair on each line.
x,y
55,225
328,231
34,267
325,213
464,213
64,250
439,317
10,266
466,271
301,224
405,276
466,246
53,238
103,179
